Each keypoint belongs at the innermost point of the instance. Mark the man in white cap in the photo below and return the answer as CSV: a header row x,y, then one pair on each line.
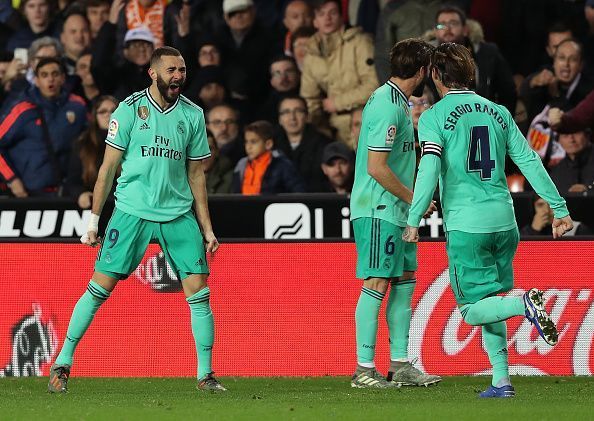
x,y
132,71
247,49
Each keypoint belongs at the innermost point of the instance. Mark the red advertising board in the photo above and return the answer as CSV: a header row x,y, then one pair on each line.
x,y
280,310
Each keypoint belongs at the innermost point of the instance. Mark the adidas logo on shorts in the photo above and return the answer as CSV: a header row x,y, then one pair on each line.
x,y
144,126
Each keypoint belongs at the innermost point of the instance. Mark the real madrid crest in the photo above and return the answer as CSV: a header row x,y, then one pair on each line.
x,y
180,127
70,116
143,112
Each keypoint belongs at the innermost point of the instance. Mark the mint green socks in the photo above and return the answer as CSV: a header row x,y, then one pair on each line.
x,y
492,310
398,314
366,315
495,337
81,318
202,329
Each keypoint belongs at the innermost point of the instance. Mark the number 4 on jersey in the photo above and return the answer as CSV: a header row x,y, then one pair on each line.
x,y
479,152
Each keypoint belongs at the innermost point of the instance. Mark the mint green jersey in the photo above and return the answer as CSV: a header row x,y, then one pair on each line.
x,y
156,143
464,140
387,127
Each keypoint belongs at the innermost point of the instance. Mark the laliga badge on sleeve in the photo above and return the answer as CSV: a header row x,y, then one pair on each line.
x,y
390,135
113,129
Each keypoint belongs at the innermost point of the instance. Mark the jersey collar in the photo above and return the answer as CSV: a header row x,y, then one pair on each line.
x,y
459,91
157,106
395,87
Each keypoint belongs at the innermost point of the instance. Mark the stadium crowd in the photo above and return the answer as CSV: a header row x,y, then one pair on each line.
x,y
282,83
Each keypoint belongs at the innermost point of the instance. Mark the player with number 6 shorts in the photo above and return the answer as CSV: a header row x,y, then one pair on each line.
x,y
465,139
159,137
380,200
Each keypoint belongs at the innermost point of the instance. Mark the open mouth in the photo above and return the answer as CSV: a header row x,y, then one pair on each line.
x,y
174,88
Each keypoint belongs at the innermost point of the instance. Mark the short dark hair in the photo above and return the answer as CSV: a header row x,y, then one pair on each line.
x,y
295,98
283,57
262,128
162,52
49,60
454,65
303,32
318,4
408,56
559,27
97,3
450,8
75,12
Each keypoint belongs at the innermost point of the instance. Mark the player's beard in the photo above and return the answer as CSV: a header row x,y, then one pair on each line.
x,y
163,88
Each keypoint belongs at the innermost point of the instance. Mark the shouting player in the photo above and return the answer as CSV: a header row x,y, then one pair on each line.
x,y
464,140
380,200
159,137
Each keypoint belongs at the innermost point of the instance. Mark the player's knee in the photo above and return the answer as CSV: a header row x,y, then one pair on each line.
x,y
194,283
107,282
377,284
468,315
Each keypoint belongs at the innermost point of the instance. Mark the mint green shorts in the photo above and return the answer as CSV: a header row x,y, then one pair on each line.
x,y
481,264
381,253
127,237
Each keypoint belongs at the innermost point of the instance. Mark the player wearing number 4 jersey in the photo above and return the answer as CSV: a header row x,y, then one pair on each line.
x,y
464,140
159,137
380,202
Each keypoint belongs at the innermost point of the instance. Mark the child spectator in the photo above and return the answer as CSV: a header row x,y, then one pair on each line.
x,y
264,171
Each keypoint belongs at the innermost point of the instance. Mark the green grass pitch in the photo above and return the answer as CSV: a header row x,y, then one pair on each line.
x,y
538,398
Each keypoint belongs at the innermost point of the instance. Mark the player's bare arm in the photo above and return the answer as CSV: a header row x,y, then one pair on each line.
x,y
197,182
377,167
107,171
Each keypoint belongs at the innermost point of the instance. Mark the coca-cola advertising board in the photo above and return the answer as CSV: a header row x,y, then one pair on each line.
x,y
281,309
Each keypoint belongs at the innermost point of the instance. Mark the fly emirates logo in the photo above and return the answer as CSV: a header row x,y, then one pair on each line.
x,y
161,149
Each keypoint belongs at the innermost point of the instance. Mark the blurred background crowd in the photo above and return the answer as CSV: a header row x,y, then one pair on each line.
x,y
282,83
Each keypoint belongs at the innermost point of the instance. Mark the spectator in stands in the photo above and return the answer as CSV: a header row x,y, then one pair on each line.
x,y
89,89
5,61
299,40
589,38
148,14
87,153
495,80
284,80
556,34
338,166
356,120
399,20
300,141
10,21
208,87
209,54
37,134
75,39
218,169
264,171
247,49
418,105
297,15
575,172
579,118
223,121
97,12
20,77
563,87
543,218
39,24
338,72
132,71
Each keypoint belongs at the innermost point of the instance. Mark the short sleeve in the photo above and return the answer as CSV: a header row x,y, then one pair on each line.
x,y
430,137
382,126
198,147
120,127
